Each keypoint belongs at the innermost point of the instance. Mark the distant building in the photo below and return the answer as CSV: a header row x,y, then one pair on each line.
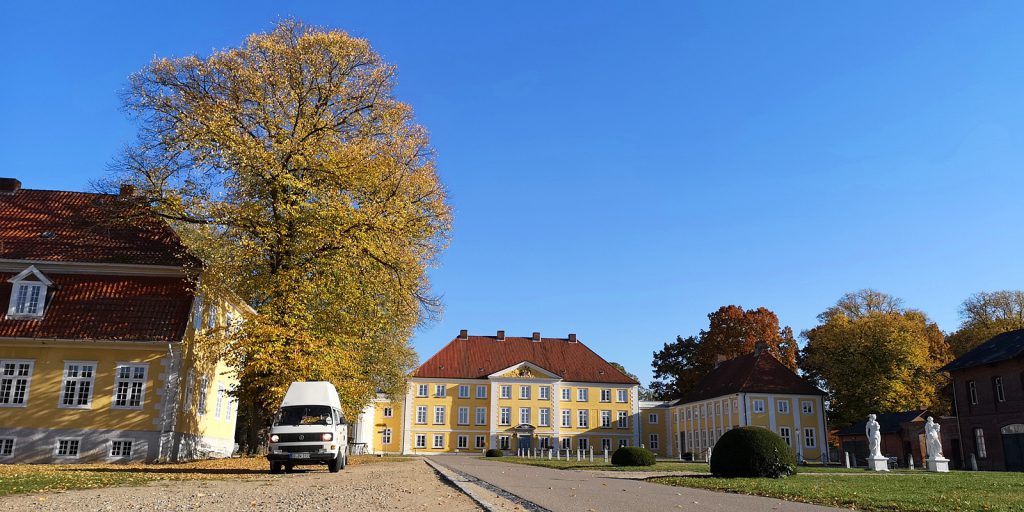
x,y
751,390
988,388
902,437
98,360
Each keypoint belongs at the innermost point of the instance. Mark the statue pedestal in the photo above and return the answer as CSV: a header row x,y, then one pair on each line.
x,y
878,464
938,465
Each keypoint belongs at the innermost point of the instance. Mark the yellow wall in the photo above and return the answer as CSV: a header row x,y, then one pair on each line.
x,y
380,422
660,428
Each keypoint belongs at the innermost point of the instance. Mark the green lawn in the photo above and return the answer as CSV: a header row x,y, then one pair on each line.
x,y
911,492
599,464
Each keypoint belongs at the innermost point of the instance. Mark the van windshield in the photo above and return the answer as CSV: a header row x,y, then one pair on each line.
x,y
304,415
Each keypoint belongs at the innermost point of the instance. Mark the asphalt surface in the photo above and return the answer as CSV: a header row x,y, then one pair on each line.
x,y
571,491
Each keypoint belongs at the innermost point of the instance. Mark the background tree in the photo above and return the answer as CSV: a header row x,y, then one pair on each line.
x,y
984,315
289,168
873,355
732,332
644,393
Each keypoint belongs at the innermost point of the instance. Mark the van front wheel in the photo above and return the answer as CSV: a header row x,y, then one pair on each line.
x,y
275,467
335,464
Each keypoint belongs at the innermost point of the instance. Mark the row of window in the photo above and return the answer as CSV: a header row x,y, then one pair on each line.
x,y
998,389
77,386
525,392
525,416
810,439
505,443
757,406
70,448
698,440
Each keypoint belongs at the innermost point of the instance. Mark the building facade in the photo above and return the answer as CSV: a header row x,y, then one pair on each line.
x,y
988,390
509,393
99,359
751,390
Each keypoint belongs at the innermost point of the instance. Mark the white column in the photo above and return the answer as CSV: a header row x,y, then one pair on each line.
x,y
406,421
771,413
798,433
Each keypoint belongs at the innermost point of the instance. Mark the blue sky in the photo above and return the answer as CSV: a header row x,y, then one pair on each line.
x,y
619,170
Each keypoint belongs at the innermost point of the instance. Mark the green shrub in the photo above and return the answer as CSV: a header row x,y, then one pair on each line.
x,y
494,452
752,452
632,456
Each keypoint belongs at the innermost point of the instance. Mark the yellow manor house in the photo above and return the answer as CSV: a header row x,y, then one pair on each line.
x,y
98,352
482,392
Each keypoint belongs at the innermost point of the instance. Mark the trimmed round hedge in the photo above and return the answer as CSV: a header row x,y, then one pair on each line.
x,y
632,456
752,452
493,452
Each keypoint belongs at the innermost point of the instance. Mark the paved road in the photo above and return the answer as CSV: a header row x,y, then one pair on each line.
x,y
571,491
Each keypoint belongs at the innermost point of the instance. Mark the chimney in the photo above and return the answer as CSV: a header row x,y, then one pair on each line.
x,y
127,190
9,185
536,336
463,334
501,335
760,348
572,337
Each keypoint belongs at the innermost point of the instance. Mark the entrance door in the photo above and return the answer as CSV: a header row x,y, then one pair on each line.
x,y
525,441
1013,449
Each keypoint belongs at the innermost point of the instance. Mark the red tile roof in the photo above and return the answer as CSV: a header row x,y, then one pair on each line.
x,y
752,373
88,307
479,356
51,225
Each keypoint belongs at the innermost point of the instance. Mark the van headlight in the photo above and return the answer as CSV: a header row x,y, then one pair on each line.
x,y
327,437
274,438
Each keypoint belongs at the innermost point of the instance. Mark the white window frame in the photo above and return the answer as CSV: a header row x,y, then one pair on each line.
x,y
623,443
505,391
622,396
566,394
18,283
463,416
480,442
566,443
386,436
440,415
131,449
583,443
190,389
389,412
204,391
622,421
481,415
131,380
1000,392
421,441
422,390
782,406
78,451
979,443
463,390
582,394
7,392
807,407
757,406
218,405
504,442
543,393
524,416
786,434
583,418
972,391
440,391
78,381
462,442
505,416
438,442
421,415
652,418
567,418
13,444
524,392
810,437
606,395
606,419
481,391
606,443
654,442
544,417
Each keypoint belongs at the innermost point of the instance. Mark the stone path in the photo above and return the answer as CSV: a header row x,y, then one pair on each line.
x,y
559,490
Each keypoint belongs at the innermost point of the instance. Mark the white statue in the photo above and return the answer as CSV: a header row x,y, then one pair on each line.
x,y
874,434
932,439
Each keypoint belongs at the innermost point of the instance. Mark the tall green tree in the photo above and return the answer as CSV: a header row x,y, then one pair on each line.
x,y
873,355
644,393
289,167
732,332
984,315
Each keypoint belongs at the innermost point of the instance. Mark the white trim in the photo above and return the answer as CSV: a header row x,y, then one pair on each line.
x,y
14,447
142,394
63,382
499,374
56,448
131,449
62,267
34,271
28,379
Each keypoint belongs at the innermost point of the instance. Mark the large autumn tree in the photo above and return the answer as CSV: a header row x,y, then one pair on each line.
x,y
873,355
292,171
984,315
732,332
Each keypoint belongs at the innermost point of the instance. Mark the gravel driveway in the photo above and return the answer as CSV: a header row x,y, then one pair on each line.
x,y
408,485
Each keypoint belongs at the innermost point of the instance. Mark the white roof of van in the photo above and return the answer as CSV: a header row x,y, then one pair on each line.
x,y
311,393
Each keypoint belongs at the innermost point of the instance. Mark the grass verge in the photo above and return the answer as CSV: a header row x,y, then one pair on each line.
x,y
29,478
906,492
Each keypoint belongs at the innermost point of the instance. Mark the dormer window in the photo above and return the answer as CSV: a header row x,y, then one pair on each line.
x,y
28,294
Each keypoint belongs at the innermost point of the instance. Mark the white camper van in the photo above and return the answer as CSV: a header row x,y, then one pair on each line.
x,y
309,429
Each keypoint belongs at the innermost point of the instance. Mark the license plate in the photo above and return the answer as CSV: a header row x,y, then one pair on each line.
x,y
300,455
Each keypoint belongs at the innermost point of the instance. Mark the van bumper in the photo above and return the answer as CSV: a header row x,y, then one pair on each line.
x,y
291,457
